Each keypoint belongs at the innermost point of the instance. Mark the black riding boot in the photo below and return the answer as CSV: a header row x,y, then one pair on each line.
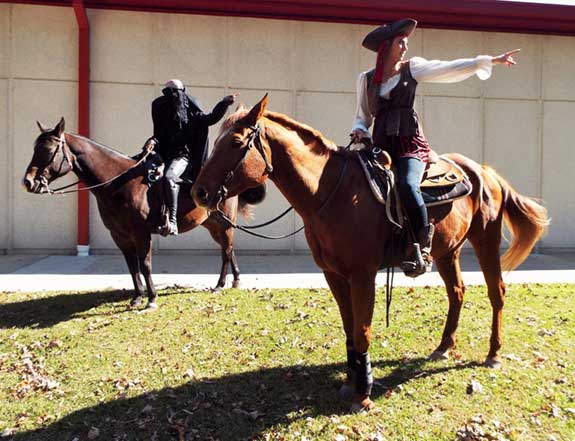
x,y
421,260
425,237
172,190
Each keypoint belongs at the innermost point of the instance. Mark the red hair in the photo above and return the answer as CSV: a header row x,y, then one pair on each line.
x,y
382,58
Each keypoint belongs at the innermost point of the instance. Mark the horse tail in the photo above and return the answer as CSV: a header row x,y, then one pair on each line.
x,y
250,197
527,221
245,208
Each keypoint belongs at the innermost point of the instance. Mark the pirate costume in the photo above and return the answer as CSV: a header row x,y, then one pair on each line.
x,y
388,104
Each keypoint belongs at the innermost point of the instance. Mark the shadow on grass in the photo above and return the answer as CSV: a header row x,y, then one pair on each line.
x,y
233,407
44,312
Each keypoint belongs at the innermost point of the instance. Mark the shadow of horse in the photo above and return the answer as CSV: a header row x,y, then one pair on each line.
x,y
45,312
232,407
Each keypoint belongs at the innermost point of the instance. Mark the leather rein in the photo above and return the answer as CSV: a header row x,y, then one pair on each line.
x,y
254,141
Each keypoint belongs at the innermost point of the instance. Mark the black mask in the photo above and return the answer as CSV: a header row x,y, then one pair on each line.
x,y
178,101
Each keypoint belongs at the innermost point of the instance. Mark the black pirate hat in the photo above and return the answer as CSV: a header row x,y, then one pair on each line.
x,y
401,27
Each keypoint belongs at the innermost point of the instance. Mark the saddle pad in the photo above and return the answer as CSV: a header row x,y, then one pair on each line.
x,y
440,195
442,173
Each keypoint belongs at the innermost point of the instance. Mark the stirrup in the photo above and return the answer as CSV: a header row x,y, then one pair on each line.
x,y
418,266
172,229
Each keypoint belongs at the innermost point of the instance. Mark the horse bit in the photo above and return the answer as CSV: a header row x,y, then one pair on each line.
x,y
41,178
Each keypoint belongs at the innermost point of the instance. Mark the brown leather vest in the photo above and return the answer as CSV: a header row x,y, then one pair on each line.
x,y
395,115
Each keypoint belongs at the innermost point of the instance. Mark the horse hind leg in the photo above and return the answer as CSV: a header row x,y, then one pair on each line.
x,y
224,237
487,251
235,269
131,257
450,271
145,264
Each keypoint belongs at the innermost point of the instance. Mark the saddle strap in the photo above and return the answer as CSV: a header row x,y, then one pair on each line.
x,y
385,200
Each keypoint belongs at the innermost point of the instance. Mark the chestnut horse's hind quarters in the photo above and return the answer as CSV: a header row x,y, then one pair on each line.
x,y
328,191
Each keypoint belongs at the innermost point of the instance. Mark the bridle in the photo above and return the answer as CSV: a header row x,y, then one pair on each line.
x,y
40,173
254,140
66,156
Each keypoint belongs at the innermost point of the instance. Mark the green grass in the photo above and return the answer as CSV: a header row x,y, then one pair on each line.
x,y
266,365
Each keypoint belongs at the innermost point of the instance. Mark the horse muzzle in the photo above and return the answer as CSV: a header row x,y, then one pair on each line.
x,y
35,184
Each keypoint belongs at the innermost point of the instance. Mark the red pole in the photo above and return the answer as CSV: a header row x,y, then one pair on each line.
x,y
83,245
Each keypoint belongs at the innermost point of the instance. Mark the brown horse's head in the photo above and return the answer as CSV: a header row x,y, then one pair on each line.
x,y
51,159
241,158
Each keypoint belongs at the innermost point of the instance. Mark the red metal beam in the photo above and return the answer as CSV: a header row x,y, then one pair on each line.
x,y
480,15
83,119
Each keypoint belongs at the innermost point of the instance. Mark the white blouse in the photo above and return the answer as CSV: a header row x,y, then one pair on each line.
x,y
422,70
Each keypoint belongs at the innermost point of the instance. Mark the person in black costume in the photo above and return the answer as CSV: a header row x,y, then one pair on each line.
x,y
181,138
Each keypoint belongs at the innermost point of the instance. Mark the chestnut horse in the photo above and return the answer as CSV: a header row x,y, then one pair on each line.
x,y
347,229
128,206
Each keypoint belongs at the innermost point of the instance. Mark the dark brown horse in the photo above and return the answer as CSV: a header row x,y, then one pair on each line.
x,y
128,206
347,229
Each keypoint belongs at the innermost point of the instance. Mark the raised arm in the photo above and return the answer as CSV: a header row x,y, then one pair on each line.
x,y
218,111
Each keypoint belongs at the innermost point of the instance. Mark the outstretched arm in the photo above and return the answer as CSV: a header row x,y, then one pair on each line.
x,y
209,119
436,71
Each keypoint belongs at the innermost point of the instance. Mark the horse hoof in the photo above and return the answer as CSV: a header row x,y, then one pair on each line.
x,y
439,355
346,391
364,406
236,284
493,363
135,303
152,306
218,288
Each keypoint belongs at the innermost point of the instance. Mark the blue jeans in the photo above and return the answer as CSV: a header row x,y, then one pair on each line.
x,y
409,174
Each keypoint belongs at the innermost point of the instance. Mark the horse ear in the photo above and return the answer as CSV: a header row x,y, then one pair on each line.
x,y
42,127
59,129
257,111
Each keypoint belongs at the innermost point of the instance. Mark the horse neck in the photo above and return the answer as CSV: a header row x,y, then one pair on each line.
x,y
299,168
94,163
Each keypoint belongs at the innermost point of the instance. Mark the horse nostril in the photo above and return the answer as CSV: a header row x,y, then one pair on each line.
x,y
28,183
201,195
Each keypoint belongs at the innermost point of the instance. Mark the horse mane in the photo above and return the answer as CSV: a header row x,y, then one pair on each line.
x,y
310,135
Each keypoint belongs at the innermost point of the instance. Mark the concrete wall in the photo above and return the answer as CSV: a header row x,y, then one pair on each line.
x,y
519,121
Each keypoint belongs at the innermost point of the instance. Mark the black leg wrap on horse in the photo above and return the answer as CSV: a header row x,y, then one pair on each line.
x,y
364,379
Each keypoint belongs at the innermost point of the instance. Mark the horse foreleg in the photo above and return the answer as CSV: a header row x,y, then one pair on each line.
x,y
450,271
362,298
488,255
340,289
145,262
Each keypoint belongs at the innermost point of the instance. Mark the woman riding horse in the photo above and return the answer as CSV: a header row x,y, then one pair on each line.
x,y
347,228
387,94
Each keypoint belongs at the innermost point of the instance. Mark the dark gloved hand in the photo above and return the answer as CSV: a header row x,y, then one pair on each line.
x,y
150,145
230,99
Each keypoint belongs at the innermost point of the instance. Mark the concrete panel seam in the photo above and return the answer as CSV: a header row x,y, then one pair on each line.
x,y
540,117
294,99
10,128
